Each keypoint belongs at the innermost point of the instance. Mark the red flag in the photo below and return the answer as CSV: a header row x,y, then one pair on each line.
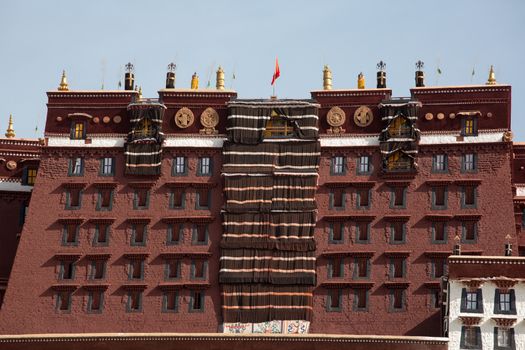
x,y
277,72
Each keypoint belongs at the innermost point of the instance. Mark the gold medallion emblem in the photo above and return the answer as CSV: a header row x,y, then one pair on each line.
x,y
336,116
363,116
11,165
184,118
209,119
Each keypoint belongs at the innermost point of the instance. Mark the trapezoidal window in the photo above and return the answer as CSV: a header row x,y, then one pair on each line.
x,y
399,127
277,127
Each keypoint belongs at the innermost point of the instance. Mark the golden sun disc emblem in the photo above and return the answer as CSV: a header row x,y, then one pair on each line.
x,y
336,116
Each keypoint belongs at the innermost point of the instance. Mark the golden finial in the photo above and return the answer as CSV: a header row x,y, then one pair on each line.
x,y
194,81
140,91
327,78
220,79
492,77
361,81
10,132
63,82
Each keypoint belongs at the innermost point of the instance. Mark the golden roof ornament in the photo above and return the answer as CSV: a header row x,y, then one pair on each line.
x,y
220,79
10,132
194,81
140,91
492,77
170,76
327,78
63,83
361,81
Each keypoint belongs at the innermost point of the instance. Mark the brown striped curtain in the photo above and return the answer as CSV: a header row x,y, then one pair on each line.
x,y
247,131
260,303
267,193
280,231
267,266
246,123
271,157
143,158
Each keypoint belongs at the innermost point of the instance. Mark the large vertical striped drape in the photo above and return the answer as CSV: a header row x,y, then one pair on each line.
x,y
267,264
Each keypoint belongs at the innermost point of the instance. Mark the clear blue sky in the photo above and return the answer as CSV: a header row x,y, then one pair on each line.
x,y
93,39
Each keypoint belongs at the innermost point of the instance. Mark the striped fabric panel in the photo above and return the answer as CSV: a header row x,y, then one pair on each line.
x,y
281,231
267,266
267,193
143,158
154,111
272,157
259,303
246,124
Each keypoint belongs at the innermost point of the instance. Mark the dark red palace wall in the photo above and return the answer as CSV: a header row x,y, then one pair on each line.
x,y
41,252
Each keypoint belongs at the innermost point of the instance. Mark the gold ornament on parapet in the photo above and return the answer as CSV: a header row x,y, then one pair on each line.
x,y
11,165
184,118
336,117
363,116
507,136
209,119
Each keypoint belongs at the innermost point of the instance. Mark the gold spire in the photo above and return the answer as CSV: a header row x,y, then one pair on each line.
x,y
327,78
361,81
220,79
194,81
140,91
63,82
10,132
492,77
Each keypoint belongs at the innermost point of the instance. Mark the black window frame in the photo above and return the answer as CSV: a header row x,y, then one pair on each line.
x,y
474,126
72,165
73,130
104,166
512,302
512,339
478,345
201,165
435,162
335,166
474,162
175,166
479,301
369,166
